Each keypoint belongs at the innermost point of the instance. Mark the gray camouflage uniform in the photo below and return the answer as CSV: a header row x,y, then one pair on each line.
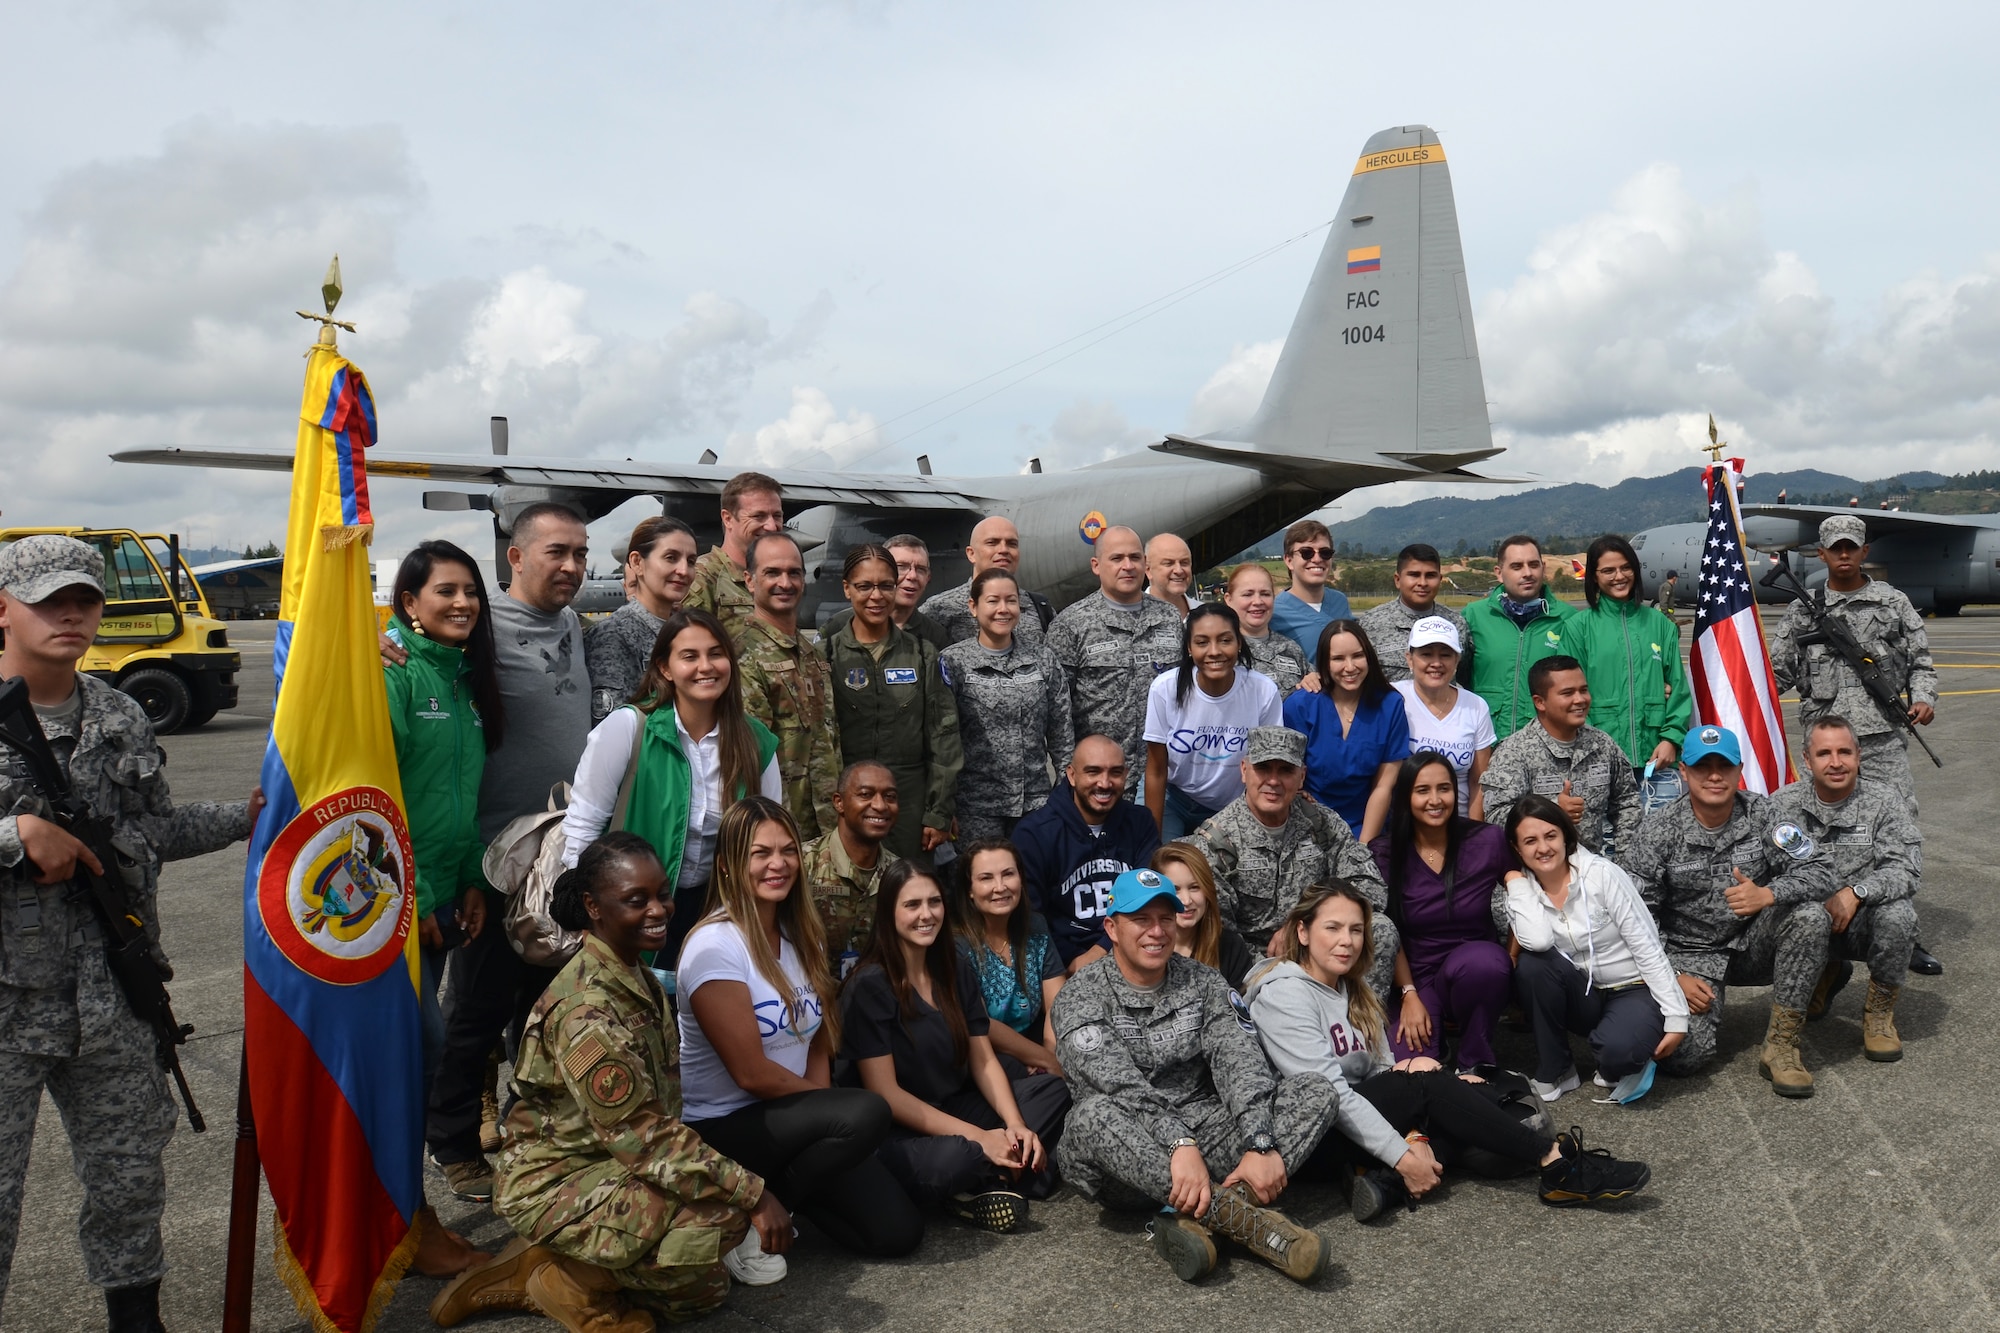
x,y
1388,627
1875,849
1013,724
951,611
1595,768
1883,621
1279,658
1682,868
1146,1068
64,1023
1261,872
1111,652
615,652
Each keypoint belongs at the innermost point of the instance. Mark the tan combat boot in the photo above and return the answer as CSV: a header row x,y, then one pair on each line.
x,y
584,1298
489,1106
1781,1063
1879,1040
1299,1254
501,1283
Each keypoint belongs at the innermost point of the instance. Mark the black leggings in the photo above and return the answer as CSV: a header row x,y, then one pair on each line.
x,y
933,1168
1455,1114
816,1151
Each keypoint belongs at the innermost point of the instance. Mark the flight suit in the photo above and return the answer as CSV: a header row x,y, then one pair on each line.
x,y
596,1163
64,1023
895,707
787,687
1682,868
1888,627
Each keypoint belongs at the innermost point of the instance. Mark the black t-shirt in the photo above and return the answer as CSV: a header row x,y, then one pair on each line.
x,y
871,1025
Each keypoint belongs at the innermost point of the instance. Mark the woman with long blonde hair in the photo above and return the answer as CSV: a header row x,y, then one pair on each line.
x,y
1315,1014
758,1028
1203,937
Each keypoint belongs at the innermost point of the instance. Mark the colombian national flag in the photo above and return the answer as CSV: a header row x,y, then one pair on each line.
x,y
331,1030
1365,259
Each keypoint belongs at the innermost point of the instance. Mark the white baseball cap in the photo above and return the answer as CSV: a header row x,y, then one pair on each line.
x,y
1435,629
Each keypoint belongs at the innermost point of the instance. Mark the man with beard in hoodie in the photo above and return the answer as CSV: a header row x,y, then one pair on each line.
x,y
1078,843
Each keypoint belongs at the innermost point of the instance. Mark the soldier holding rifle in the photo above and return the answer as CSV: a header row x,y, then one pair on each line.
x,y
1857,650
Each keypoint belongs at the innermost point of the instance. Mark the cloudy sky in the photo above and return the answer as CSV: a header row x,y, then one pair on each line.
x,y
788,231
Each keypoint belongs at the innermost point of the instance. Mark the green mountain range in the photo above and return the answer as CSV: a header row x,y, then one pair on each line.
x,y
1568,517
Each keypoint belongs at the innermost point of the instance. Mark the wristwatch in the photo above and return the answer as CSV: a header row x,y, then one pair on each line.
x,y
1858,891
1261,1143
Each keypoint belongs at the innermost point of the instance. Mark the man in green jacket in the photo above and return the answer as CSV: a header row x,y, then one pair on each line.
x,y
1518,624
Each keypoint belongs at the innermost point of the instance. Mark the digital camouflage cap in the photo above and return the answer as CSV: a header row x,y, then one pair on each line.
x,y
35,568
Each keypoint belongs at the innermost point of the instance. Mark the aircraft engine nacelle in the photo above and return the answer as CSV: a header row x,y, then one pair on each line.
x,y
1768,533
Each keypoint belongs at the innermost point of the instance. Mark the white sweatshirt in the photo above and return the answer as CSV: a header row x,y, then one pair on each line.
x,y
1603,929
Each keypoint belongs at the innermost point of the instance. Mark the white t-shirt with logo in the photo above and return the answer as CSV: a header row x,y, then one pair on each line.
x,y
1205,737
716,951
1466,729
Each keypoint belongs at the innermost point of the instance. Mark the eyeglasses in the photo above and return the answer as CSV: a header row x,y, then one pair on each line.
x,y
1313,552
865,589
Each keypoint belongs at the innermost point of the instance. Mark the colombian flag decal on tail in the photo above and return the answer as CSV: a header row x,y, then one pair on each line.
x,y
1366,259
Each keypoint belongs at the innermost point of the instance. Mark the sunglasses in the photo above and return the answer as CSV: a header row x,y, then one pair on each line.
x,y
1313,552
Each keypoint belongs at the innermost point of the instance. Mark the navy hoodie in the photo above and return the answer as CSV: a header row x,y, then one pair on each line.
x,y
1070,866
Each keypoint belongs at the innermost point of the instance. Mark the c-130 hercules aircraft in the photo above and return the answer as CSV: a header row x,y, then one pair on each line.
x,y
1379,381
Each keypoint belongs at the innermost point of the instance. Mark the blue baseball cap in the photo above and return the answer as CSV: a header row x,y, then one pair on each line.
x,y
1704,741
1136,888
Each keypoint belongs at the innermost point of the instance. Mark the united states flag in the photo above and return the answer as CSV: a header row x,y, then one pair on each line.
x,y
1733,685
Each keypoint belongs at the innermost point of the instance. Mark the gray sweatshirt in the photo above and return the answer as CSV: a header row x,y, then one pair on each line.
x,y
1304,1030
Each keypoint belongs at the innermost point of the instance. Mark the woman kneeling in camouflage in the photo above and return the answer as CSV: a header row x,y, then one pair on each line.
x,y
615,1199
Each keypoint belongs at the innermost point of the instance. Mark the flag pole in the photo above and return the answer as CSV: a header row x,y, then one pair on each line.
x,y
237,1283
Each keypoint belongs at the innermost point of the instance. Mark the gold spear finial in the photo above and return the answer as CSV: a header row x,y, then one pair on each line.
x,y
330,291
1714,447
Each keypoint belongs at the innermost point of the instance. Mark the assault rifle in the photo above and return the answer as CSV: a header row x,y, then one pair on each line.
x,y
1830,628
130,953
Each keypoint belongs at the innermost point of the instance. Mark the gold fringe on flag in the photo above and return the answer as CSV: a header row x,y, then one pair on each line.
x,y
300,1286
333,538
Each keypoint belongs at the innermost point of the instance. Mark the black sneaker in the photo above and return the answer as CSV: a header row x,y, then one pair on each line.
x,y
1589,1175
1376,1190
991,1210
1833,979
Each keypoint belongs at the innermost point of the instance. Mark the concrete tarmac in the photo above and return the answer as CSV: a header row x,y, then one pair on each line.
x,y
1871,1205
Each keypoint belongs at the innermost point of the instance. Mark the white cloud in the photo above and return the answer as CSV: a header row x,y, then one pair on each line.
x,y
1230,397
812,435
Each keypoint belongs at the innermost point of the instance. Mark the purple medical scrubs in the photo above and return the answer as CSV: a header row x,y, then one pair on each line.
x,y
1460,969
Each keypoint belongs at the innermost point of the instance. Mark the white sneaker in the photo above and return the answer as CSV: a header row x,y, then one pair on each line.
x,y
1600,1080
1548,1092
748,1263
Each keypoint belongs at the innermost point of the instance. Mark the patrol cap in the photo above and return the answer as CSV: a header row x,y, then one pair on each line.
x,y
34,569
1136,888
1435,629
1276,745
1843,528
1704,741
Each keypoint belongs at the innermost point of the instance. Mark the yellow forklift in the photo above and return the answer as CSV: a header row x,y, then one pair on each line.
x,y
158,641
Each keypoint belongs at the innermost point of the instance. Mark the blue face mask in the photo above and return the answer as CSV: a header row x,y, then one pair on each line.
x,y
1522,612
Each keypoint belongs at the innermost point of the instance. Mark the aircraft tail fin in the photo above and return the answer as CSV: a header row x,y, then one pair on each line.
x,y
1381,367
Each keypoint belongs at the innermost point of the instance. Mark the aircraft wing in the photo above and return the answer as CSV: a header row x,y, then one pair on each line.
x,y
1772,529
637,476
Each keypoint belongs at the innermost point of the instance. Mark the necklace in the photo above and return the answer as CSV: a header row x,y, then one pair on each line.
x,y
1433,856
